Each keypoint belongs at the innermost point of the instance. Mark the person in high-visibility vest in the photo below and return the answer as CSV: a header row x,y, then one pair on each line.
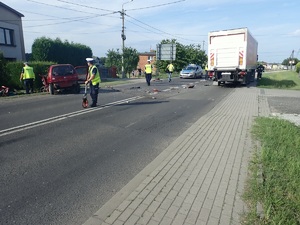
x,y
93,79
27,76
206,71
170,69
148,72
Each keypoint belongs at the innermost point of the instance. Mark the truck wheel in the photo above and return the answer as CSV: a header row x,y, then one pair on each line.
x,y
51,89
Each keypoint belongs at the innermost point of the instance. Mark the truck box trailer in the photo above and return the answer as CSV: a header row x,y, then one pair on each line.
x,y
232,56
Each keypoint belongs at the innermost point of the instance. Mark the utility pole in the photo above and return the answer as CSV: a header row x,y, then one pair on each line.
x,y
123,36
203,45
292,59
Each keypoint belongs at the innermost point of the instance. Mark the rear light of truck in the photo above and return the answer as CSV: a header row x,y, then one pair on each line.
x,y
210,74
242,73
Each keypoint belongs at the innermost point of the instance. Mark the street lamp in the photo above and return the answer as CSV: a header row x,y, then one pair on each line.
x,y
123,36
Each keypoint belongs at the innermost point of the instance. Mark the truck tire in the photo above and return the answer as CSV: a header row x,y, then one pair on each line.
x,y
51,89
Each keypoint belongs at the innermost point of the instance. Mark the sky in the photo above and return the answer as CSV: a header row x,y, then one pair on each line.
x,y
98,24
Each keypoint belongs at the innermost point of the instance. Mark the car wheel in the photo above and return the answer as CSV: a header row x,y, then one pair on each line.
x,y
51,89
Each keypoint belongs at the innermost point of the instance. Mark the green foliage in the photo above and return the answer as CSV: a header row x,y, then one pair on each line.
x,y
278,192
286,62
114,58
185,54
4,78
131,59
14,70
283,80
46,49
298,67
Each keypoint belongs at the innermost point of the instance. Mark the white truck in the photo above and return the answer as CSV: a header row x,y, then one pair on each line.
x,y
232,56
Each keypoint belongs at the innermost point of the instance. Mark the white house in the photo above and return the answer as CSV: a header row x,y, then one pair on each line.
x,y
11,34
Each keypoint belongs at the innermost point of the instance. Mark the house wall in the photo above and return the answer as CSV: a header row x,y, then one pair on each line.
x,y
143,60
11,20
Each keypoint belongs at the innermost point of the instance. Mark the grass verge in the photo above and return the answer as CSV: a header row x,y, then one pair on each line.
x,y
280,80
274,183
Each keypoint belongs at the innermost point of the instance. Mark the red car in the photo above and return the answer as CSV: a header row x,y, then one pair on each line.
x,y
82,73
62,77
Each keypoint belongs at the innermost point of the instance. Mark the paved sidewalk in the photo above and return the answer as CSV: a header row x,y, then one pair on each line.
x,y
200,177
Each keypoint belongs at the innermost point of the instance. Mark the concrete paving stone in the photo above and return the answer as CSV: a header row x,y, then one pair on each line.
x,y
192,217
166,221
213,221
153,206
125,214
124,205
159,214
208,203
185,208
140,210
149,199
216,211
178,201
227,210
226,220
118,222
179,219
153,222
135,203
204,214
132,220
144,219
172,211
166,203
113,217
190,198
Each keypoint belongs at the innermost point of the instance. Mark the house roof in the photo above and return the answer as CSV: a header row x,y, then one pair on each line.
x,y
148,53
11,9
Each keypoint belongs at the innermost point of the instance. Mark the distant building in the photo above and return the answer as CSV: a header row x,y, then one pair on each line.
x,y
144,57
11,34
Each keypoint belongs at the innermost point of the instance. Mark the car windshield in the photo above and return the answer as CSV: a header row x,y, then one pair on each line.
x,y
190,68
81,70
63,70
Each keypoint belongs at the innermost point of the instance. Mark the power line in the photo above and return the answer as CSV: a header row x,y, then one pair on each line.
x,y
107,10
154,6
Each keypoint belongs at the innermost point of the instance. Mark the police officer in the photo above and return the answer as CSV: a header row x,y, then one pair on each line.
x,y
94,79
170,69
28,76
260,69
148,72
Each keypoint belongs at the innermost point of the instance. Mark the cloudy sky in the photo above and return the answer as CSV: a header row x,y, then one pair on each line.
x,y
97,23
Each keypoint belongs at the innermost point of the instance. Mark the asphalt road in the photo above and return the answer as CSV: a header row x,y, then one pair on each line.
x,y
60,163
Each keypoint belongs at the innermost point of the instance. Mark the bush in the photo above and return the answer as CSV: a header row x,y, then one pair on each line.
x,y
14,70
298,67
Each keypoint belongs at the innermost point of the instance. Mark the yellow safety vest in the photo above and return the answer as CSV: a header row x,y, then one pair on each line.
x,y
148,68
170,67
96,78
28,73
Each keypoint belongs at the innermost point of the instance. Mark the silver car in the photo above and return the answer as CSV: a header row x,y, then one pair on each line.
x,y
191,71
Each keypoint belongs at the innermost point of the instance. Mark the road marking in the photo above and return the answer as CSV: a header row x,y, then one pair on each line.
x,y
62,117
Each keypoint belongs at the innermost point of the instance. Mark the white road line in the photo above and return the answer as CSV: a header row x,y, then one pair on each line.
x,y
62,117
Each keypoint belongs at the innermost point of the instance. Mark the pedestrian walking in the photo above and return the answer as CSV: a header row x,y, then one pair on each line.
x,y
148,72
93,79
170,69
27,76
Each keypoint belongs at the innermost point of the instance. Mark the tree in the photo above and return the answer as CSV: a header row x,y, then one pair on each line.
x,y
185,54
46,49
131,59
114,58
287,61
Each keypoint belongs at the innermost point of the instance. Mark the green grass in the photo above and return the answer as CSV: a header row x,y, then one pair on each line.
x,y
277,190
280,80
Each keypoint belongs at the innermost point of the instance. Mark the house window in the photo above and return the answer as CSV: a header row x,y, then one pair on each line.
x,y
150,58
6,36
